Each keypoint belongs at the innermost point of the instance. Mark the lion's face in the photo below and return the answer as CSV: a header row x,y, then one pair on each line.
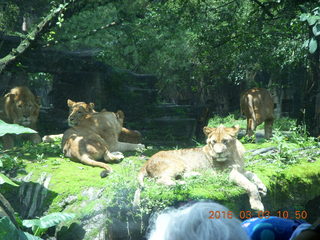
x,y
22,107
220,140
77,111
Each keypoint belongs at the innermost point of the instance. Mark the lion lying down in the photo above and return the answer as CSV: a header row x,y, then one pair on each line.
x,y
95,137
222,151
76,112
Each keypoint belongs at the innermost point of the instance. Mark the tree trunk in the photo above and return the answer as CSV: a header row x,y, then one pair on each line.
x,y
311,90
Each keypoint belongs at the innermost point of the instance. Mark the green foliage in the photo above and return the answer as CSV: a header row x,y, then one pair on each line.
x,y
284,123
6,128
313,20
293,147
40,226
8,231
228,121
285,151
10,162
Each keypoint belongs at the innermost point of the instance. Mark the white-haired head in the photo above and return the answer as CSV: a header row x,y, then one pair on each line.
x,y
191,222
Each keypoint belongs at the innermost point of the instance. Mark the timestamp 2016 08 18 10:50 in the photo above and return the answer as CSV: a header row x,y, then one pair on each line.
x,y
260,214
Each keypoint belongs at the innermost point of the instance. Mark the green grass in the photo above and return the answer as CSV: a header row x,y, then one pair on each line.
x,y
72,178
283,124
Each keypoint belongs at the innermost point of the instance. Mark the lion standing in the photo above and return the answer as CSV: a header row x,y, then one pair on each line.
x,y
257,105
21,107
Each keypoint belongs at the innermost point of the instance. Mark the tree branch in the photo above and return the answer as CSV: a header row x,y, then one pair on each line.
x,y
263,8
31,37
91,32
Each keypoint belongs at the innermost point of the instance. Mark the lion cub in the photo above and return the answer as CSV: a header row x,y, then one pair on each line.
x,y
95,137
222,151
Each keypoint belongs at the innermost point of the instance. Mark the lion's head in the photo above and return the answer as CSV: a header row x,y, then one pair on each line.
x,y
78,110
22,107
220,140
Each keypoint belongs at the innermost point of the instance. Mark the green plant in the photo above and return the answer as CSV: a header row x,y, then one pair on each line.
x,y
313,20
6,128
8,231
228,121
284,123
247,139
41,225
8,162
285,151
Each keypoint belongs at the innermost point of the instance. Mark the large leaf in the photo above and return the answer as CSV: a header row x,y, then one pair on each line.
x,y
8,231
6,128
50,220
313,45
316,29
313,19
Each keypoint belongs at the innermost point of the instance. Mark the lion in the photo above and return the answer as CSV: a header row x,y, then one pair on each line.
x,y
257,105
95,137
20,106
222,151
76,112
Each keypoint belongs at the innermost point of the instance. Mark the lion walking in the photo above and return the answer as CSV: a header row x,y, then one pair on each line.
x,y
257,105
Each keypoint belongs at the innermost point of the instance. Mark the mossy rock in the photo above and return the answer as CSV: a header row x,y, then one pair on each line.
x,y
79,189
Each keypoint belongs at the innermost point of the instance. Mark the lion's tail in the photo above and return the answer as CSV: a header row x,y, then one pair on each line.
x,y
85,159
142,174
251,106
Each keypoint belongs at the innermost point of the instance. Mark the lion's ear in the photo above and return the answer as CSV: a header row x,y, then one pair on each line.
x,y
91,105
207,130
120,115
70,103
9,96
234,130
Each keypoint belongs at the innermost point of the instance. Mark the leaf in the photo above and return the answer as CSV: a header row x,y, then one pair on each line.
x,y
315,11
316,29
306,44
8,231
312,20
31,223
304,17
50,220
6,128
5,179
313,45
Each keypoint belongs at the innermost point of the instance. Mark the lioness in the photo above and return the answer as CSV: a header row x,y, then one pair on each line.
x,y
21,107
257,105
78,109
222,151
95,137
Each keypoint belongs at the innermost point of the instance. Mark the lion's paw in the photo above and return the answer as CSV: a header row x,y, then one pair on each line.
x,y
113,157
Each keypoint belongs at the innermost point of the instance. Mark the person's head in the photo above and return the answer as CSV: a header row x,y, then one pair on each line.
x,y
192,222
